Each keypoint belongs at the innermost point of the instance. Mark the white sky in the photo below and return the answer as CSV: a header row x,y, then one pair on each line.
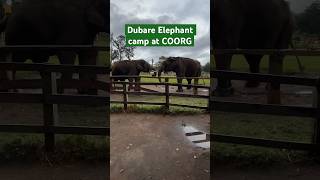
x,y
165,11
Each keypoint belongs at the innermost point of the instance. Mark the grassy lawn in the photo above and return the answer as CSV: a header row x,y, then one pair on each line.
x,y
311,64
29,147
260,126
264,126
68,147
160,109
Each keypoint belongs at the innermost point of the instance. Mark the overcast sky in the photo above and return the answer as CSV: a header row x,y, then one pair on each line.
x,y
165,11
299,6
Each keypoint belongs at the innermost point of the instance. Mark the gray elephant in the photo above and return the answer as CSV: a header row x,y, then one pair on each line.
x,y
57,22
130,68
250,24
183,67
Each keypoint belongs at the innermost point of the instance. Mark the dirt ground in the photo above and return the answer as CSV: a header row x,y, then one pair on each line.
x,y
147,146
290,94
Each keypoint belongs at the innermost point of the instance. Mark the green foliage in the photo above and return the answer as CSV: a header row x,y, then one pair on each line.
x,y
309,21
119,50
206,67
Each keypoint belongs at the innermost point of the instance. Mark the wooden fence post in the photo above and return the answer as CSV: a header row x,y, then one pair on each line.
x,y
316,134
210,99
276,68
137,86
125,97
108,92
195,89
50,113
167,105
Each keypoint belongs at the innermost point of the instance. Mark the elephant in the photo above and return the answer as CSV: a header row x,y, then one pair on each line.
x,y
130,68
250,24
183,67
57,22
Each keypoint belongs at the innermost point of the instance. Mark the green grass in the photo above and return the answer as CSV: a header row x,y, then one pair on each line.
x,y
264,126
21,147
29,147
260,126
311,64
160,109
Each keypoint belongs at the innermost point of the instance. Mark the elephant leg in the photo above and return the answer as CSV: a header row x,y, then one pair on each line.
x,y
130,84
195,89
189,83
67,58
137,86
88,58
254,65
179,80
224,86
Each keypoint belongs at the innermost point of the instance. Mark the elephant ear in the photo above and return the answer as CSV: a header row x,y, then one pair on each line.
x,y
95,14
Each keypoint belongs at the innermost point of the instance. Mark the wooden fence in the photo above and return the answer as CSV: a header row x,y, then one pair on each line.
x,y
49,97
281,110
167,94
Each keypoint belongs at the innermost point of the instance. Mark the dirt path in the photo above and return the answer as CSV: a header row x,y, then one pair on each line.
x,y
145,146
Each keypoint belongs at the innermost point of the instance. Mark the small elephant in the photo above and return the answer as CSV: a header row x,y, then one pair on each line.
x,y
183,67
56,22
130,68
249,24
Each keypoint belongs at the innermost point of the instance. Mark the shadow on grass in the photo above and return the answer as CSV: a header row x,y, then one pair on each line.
x,y
68,148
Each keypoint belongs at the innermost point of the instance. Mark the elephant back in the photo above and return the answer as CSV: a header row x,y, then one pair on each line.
x,y
124,67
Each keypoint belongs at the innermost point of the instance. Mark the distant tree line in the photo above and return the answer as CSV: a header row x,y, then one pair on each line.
x,y
206,67
308,22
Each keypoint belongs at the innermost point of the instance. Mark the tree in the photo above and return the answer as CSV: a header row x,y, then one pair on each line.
x,y
206,67
119,50
309,21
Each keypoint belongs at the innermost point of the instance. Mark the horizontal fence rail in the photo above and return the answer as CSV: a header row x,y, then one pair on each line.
x,y
49,97
53,68
156,77
268,109
283,79
167,94
282,52
21,48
